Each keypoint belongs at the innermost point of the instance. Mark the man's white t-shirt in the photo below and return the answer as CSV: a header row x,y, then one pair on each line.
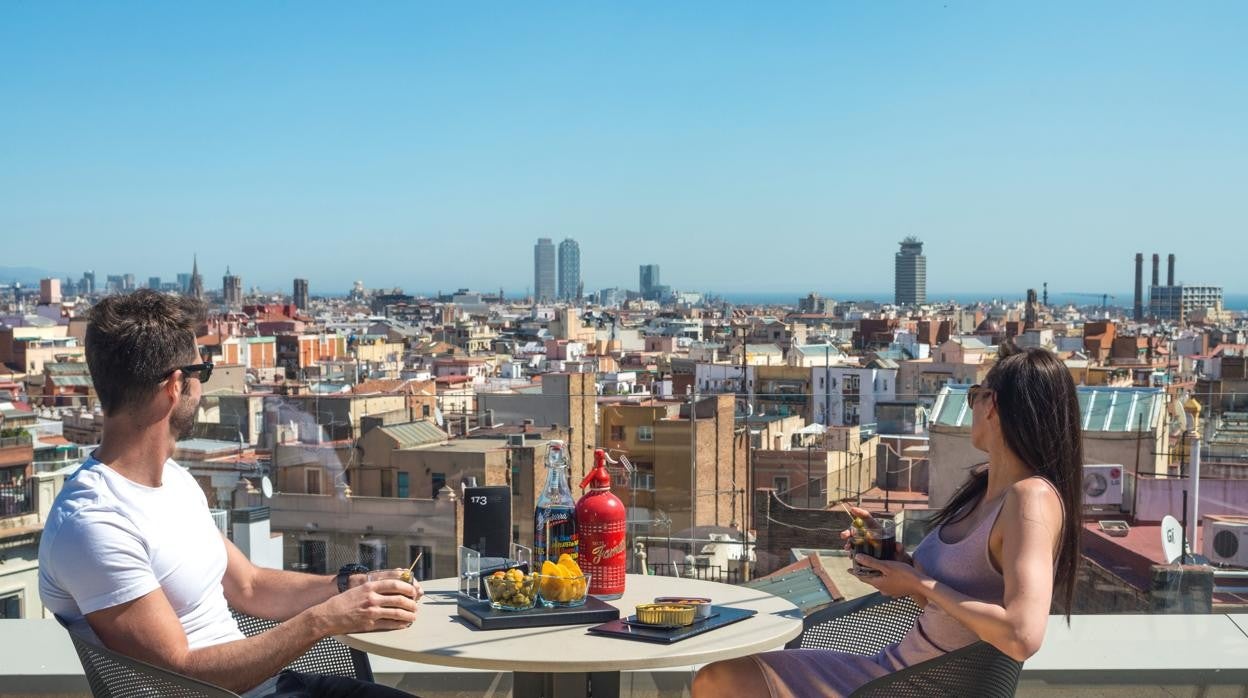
x,y
109,540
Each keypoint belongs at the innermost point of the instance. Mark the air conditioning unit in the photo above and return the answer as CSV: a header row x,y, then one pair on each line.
x,y
1226,540
515,440
1102,485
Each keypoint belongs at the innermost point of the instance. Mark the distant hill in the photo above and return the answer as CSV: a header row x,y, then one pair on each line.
x,y
26,276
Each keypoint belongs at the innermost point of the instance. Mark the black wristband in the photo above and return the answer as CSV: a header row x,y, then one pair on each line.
x,y
345,572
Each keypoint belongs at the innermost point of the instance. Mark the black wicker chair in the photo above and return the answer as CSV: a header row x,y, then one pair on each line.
x,y
113,675
978,669
869,624
864,625
327,657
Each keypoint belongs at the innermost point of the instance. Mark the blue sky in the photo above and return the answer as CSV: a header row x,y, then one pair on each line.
x,y
740,145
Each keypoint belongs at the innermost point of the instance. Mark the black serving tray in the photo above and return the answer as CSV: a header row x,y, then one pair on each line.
x,y
632,620
480,615
723,615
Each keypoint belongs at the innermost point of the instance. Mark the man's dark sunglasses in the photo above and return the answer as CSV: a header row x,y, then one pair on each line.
x,y
201,371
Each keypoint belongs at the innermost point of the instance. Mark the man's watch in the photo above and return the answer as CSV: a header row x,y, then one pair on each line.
x,y
345,572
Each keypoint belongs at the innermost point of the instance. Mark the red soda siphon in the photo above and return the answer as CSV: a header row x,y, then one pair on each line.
x,y
601,520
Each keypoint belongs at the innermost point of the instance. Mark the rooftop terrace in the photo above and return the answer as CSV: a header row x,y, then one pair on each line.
x,y
1132,656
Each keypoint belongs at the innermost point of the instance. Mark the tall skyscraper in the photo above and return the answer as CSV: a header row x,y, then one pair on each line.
x,y
569,270
300,296
1138,310
910,274
184,283
88,282
649,281
232,289
153,282
544,271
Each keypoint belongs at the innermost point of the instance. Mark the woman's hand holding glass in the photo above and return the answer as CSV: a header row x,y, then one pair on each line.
x,y
863,520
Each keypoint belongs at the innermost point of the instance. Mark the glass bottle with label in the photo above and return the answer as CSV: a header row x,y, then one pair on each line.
x,y
554,518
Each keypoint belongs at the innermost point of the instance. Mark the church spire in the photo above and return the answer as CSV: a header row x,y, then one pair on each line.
x,y
197,281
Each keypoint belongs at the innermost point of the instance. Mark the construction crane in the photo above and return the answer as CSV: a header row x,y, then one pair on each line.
x,y
1105,297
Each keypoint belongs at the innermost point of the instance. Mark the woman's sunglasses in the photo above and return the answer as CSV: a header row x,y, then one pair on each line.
x,y
974,392
201,371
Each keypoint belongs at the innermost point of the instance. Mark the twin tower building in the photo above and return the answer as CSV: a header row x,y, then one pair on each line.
x,y
562,281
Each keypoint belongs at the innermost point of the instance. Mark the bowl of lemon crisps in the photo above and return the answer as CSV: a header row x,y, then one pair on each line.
x,y
562,583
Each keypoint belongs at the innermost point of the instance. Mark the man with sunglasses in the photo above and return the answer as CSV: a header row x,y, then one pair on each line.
x,y
130,557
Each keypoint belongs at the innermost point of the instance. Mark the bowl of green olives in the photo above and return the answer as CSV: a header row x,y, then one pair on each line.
x,y
512,590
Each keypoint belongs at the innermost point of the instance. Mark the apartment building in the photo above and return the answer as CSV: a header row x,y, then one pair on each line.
x,y
847,395
29,348
692,470
26,497
783,391
299,354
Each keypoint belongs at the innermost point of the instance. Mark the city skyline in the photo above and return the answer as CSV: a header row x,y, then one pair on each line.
x,y
1234,300
1121,295
887,122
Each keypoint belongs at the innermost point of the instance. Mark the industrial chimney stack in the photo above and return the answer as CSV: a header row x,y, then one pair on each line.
x,y
1156,269
1170,271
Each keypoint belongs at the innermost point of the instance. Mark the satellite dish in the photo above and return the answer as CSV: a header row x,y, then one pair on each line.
x,y
266,487
1171,538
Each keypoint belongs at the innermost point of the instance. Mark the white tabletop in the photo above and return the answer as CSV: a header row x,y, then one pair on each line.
x,y
440,637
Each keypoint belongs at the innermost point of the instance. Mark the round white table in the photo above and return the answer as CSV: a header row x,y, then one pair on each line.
x,y
558,661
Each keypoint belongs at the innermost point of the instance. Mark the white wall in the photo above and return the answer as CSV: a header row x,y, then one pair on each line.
x,y
630,340
258,544
1161,496
951,456
910,342
1187,346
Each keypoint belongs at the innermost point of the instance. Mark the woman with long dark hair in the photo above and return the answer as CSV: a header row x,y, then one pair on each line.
x,y
989,567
